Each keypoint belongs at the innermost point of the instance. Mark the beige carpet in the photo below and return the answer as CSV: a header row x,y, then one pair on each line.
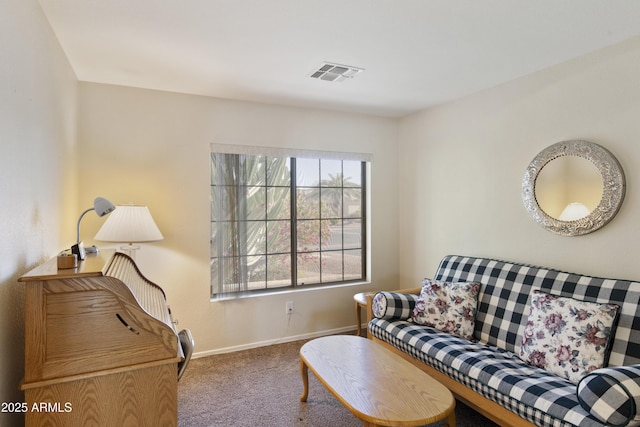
x,y
262,387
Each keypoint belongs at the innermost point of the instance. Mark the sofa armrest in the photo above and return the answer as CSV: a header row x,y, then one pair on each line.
x,y
612,395
393,305
409,291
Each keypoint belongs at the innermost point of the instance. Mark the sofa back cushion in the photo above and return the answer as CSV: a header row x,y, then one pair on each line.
x,y
504,306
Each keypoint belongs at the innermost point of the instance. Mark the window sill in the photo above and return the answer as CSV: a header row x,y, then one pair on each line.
x,y
306,288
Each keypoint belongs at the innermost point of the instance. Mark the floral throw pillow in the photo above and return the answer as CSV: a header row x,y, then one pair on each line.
x,y
448,307
567,337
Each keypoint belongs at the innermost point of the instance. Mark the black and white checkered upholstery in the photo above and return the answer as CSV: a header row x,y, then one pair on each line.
x,y
503,303
612,394
392,305
490,367
534,394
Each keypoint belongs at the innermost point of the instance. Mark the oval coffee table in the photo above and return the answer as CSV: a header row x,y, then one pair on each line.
x,y
376,385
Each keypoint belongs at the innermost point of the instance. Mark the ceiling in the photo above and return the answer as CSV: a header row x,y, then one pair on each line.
x,y
416,53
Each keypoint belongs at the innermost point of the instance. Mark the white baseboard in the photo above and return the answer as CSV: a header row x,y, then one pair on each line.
x,y
197,355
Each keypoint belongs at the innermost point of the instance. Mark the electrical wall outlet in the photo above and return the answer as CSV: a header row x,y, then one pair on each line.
x,y
289,307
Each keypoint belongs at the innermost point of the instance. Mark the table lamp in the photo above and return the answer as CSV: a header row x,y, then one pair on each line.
x,y
131,224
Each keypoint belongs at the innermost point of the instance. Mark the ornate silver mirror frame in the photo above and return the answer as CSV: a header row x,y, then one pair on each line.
x,y
613,187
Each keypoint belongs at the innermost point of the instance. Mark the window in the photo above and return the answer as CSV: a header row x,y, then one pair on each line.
x,y
280,222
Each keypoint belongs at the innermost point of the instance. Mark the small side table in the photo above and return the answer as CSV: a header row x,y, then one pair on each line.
x,y
361,302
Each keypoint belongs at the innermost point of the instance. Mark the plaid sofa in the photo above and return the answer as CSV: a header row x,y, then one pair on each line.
x,y
489,365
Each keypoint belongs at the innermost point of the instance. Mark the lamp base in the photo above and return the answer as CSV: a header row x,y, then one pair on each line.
x,y
78,249
130,250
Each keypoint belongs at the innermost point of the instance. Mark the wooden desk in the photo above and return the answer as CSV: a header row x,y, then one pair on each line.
x,y
100,346
377,386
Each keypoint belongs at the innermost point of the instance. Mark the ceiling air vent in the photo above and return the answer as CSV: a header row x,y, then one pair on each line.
x,y
335,72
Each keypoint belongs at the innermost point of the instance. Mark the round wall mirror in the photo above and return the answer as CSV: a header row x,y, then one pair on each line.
x,y
568,188
573,187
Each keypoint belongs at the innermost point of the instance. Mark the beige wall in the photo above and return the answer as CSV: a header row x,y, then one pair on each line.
x,y
462,164
152,148
37,170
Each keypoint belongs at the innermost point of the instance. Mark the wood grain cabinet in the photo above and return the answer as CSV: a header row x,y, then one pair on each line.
x,y
101,348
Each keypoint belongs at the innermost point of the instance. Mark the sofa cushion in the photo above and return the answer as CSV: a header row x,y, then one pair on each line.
x,y
503,305
393,305
567,337
533,393
608,394
448,307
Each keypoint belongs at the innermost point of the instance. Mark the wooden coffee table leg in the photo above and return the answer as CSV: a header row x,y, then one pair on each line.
x,y
451,419
304,370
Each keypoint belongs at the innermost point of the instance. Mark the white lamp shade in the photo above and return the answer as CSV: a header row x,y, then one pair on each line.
x,y
130,224
574,212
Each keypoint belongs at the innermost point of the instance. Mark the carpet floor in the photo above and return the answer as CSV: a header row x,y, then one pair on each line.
x,y
262,387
